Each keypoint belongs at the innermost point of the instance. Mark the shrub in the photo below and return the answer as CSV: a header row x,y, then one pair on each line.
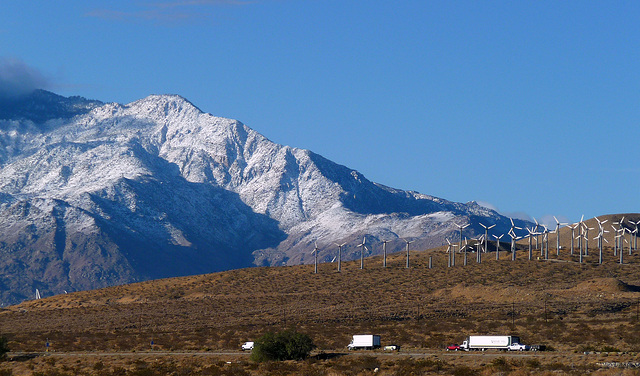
x,y
464,371
4,347
501,364
285,345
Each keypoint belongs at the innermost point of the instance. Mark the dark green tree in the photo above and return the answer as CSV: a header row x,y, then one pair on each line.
x,y
4,347
285,345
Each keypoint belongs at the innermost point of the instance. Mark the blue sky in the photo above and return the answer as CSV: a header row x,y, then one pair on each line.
x,y
530,106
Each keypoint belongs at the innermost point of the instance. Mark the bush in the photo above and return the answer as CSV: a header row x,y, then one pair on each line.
x,y
285,345
4,347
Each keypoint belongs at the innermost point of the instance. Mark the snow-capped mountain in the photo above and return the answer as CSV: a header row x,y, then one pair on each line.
x,y
101,194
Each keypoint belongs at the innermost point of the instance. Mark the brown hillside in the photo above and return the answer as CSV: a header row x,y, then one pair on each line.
x,y
559,302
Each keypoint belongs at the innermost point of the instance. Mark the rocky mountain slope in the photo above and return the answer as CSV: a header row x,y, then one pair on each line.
x,y
99,194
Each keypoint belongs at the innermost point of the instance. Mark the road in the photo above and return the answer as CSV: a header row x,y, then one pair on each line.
x,y
328,354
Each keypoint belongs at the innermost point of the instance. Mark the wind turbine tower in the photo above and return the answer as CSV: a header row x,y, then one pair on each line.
x,y
498,245
340,255
572,227
315,252
461,227
486,234
408,242
478,251
537,233
558,224
531,234
513,236
384,253
363,247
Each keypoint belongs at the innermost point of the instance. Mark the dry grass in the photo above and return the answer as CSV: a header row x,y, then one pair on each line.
x,y
568,306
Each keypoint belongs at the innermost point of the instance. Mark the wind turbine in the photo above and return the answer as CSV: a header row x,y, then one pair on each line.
x,y
581,237
572,227
537,233
621,248
465,252
615,240
586,239
513,236
364,240
624,229
545,239
635,235
513,244
601,232
558,224
339,255
461,227
315,252
478,252
408,242
600,238
486,234
384,253
498,245
621,229
448,253
531,233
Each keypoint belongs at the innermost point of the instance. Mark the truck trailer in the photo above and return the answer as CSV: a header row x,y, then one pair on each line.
x,y
365,342
492,342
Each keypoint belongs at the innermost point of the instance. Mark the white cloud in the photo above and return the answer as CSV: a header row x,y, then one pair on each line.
x,y
515,215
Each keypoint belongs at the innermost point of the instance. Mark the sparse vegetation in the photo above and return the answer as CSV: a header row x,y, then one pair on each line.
x,y
4,347
285,345
566,306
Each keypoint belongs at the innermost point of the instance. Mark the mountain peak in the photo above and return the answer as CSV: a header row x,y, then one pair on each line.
x,y
158,188
164,104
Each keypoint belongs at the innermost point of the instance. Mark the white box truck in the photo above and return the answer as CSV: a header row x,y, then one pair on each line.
x,y
247,346
492,342
365,342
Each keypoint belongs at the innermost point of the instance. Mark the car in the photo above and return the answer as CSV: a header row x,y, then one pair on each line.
x,y
247,346
453,347
518,347
391,348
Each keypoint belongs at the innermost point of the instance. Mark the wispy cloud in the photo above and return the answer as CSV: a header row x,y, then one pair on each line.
x,y
148,14
178,3
167,11
17,78
514,215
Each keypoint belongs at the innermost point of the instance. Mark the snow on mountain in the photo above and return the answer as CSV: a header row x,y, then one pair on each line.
x,y
118,193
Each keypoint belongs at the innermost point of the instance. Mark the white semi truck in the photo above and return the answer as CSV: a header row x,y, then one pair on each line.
x,y
365,342
511,343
